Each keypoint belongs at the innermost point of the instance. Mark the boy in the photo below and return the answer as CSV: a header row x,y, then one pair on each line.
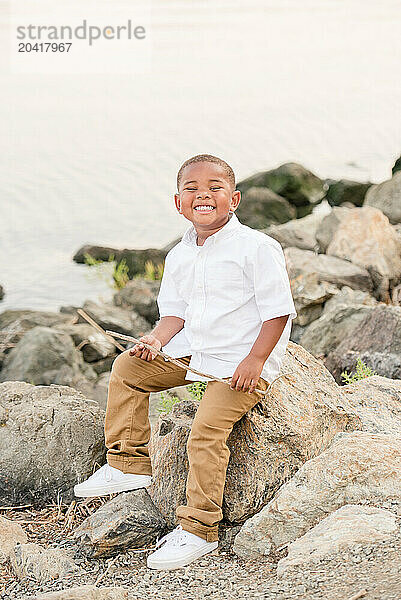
x,y
225,309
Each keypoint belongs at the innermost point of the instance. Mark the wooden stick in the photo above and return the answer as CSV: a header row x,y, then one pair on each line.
x,y
181,364
85,316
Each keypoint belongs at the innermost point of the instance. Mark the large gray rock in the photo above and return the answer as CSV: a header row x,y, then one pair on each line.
x,y
50,437
130,520
11,533
396,166
260,207
386,197
376,340
134,259
86,592
377,402
347,526
349,297
140,295
118,319
93,344
309,294
44,356
357,466
43,564
15,323
346,190
329,225
297,233
292,181
365,237
303,412
326,333
328,268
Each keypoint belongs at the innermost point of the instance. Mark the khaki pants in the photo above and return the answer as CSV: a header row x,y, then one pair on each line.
x,y
127,433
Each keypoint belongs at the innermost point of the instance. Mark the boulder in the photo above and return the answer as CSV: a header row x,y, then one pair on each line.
x,y
348,297
326,333
397,166
171,245
386,197
347,526
377,402
309,294
328,226
376,340
115,318
86,592
346,190
1,292
50,436
11,533
260,207
134,259
297,233
140,295
93,344
304,411
357,466
129,520
103,253
44,565
328,268
365,237
292,181
101,390
15,323
45,356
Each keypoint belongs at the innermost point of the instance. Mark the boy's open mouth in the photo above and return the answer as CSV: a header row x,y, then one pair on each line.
x,y
204,208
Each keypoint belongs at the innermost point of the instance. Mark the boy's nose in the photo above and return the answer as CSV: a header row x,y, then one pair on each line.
x,y
205,194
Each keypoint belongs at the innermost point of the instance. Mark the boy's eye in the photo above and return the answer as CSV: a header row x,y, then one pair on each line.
x,y
216,187
190,189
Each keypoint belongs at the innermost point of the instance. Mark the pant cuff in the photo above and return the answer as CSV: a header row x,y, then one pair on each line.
x,y
210,534
129,465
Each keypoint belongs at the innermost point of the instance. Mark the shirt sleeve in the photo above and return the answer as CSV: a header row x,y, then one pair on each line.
x,y
168,300
271,283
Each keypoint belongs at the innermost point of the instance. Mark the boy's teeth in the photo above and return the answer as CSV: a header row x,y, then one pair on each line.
x,y
204,207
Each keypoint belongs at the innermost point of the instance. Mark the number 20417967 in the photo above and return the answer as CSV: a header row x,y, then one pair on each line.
x,y
44,47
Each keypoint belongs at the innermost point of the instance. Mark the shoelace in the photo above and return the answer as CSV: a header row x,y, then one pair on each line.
x,y
104,473
175,538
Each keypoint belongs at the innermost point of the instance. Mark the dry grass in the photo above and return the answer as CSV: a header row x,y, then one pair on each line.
x,y
47,526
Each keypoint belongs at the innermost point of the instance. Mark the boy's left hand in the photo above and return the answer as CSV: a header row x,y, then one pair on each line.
x,y
246,375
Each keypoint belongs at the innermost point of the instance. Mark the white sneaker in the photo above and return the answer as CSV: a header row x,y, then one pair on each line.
x,y
109,480
179,548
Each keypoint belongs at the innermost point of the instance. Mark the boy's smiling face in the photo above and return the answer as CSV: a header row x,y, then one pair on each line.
x,y
206,184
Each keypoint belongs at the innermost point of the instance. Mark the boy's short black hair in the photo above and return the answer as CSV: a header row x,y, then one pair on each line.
x,y
207,158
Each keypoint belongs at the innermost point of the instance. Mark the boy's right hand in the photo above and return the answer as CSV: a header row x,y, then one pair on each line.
x,y
141,352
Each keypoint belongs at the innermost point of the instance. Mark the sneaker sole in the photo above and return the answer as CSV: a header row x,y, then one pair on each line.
x,y
110,489
169,565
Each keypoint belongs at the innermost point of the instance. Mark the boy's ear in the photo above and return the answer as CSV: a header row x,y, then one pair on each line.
x,y
235,199
177,202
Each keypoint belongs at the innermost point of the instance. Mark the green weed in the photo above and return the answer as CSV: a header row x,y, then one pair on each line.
x,y
362,371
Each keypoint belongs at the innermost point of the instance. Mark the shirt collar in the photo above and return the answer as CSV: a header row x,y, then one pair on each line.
x,y
190,235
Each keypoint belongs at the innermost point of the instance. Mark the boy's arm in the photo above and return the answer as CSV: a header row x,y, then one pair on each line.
x,y
247,373
166,328
275,305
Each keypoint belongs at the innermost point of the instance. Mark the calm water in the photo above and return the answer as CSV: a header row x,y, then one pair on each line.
x,y
93,158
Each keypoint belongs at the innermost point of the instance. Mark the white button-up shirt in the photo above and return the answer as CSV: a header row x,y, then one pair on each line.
x,y
224,290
